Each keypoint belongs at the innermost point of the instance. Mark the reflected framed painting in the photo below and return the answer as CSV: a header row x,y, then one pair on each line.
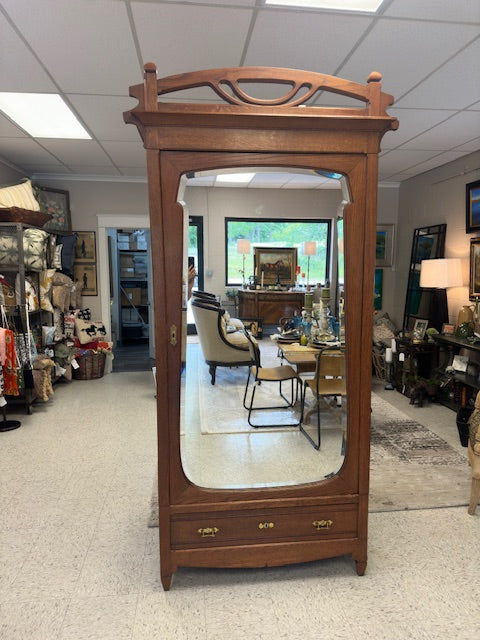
x,y
473,206
384,245
275,266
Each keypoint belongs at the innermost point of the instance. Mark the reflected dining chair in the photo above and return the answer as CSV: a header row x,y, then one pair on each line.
x,y
279,374
329,381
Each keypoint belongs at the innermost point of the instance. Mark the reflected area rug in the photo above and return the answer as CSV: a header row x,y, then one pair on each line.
x,y
411,467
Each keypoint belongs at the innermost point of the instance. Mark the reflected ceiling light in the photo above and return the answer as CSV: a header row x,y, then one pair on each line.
x,y
42,115
235,177
369,6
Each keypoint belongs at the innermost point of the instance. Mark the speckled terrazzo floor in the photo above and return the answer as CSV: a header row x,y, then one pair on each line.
x,y
78,562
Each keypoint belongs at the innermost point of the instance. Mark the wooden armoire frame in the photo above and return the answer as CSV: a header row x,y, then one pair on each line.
x,y
257,527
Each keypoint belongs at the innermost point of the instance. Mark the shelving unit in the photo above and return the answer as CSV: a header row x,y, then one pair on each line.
x,y
134,318
460,389
12,262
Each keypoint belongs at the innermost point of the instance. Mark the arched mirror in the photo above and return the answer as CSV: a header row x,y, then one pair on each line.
x,y
214,425
253,506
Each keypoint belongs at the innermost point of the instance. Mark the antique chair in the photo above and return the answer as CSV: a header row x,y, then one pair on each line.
x,y
219,348
269,374
474,456
329,381
233,324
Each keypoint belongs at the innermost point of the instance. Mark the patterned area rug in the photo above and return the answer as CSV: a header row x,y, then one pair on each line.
x,y
411,467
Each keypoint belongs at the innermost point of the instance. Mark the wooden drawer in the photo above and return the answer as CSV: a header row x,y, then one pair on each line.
x,y
271,526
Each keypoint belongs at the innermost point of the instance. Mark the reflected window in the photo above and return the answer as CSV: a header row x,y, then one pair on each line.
x,y
272,232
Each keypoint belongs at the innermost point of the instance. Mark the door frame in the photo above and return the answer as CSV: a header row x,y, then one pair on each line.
x,y
117,221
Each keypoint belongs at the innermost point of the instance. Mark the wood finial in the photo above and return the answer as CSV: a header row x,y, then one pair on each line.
x,y
375,76
150,66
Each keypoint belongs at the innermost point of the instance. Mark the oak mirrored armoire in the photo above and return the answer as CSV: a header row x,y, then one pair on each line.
x,y
214,520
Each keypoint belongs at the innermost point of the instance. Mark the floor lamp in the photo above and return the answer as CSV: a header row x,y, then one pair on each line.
x,y
309,249
243,247
440,274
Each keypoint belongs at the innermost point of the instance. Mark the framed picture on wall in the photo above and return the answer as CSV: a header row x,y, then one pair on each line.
x,y
474,289
273,264
473,206
86,274
85,250
384,245
57,203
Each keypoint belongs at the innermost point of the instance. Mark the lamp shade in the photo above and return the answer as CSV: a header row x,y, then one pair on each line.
x,y
243,245
441,273
309,248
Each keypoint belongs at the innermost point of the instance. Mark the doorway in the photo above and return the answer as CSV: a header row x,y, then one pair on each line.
x,y
131,308
195,253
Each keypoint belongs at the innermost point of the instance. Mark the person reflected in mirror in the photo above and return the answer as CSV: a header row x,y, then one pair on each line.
x,y
192,274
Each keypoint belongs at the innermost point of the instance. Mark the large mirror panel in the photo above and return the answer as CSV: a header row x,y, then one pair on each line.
x,y
219,448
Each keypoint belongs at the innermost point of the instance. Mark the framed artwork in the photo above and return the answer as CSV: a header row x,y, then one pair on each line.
x,y
378,290
474,288
384,245
448,329
473,206
273,266
86,274
419,328
57,203
85,249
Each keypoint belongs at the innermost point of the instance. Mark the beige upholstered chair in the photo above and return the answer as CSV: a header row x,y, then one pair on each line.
x,y
329,381
220,347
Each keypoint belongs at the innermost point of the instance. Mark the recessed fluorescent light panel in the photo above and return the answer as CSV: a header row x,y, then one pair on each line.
x,y
369,6
42,115
235,177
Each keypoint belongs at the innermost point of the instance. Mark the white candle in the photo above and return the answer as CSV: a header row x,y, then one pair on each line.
x,y
394,345
262,278
401,357
388,355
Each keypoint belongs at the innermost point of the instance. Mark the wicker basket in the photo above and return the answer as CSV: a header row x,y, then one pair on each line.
x,y
90,366
379,365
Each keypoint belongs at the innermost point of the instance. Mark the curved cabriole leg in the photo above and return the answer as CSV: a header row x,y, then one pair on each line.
x,y
360,566
212,370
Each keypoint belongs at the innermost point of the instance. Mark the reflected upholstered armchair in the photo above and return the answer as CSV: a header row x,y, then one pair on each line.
x,y
221,346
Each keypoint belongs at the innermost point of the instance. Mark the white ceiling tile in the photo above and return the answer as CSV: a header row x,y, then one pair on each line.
x,y
16,59
455,86
26,151
71,152
471,145
405,52
457,130
126,154
9,130
179,38
89,170
403,159
412,123
87,47
133,171
437,161
454,10
303,40
103,116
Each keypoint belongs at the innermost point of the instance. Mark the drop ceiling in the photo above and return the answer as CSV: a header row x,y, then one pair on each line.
x,y
91,51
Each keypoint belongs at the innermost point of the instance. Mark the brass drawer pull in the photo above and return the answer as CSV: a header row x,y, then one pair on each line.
x,y
322,524
266,525
208,531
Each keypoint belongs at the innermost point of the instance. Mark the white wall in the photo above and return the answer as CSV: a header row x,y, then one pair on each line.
x,y
436,197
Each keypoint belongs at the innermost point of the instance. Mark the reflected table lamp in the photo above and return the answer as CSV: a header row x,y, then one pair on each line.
x,y
438,275
309,249
243,247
